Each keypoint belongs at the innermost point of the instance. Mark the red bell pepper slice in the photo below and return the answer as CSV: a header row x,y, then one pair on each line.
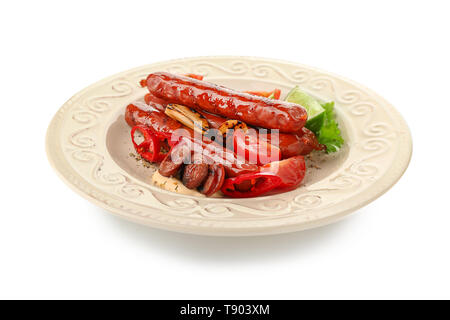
x,y
260,93
276,94
150,148
248,146
278,176
143,83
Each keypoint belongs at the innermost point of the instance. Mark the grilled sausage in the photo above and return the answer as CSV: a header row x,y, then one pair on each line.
x,y
194,174
229,103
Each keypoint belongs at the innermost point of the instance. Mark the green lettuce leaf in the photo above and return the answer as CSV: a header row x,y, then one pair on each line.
x,y
329,134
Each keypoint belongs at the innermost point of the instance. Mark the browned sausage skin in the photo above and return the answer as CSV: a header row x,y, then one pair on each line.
x,y
229,103
290,145
141,114
216,177
195,173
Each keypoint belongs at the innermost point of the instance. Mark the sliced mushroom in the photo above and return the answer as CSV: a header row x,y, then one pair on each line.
x,y
232,124
188,117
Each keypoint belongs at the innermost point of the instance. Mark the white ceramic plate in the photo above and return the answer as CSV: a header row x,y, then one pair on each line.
x,y
88,144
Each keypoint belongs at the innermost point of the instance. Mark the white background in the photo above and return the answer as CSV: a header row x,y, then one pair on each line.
x,y
54,244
